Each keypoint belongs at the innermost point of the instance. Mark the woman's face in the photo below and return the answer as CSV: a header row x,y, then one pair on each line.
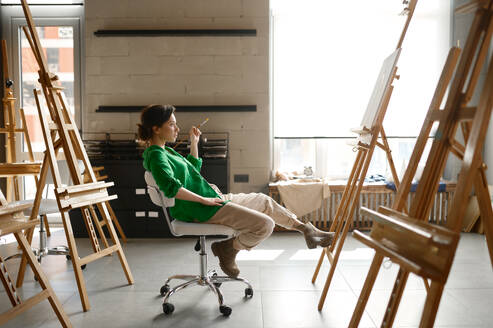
x,y
168,131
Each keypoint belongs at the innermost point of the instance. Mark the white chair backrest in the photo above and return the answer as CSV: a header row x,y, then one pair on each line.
x,y
156,195
158,198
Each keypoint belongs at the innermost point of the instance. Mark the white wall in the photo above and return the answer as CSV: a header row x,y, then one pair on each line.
x,y
184,71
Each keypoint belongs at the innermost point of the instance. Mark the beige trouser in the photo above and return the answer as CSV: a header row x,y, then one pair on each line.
x,y
254,216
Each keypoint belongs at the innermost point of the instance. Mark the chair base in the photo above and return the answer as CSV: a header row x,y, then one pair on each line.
x,y
43,251
211,280
208,278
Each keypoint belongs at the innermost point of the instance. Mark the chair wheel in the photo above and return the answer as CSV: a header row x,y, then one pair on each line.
x,y
217,284
225,310
168,308
164,289
197,245
248,292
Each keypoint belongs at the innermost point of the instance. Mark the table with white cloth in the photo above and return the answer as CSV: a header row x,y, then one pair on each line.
x,y
316,200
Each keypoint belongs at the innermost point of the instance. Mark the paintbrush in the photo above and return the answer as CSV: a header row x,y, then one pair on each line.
x,y
198,126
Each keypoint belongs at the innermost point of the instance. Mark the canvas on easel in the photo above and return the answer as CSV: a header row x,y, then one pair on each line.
x,y
409,240
61,133
369,133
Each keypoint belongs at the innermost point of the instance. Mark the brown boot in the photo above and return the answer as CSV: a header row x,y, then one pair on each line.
x,y
226,253
315,237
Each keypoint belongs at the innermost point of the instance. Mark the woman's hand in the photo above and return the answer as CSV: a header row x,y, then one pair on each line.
x,y
194,135
211,201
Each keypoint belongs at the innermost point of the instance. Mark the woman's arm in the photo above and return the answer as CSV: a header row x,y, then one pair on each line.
x,y
194,140
185,194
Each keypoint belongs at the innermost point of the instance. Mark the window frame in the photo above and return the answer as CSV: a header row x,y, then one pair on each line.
x,y
45,15
12,18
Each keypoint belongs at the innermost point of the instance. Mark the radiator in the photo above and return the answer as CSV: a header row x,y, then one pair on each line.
x,y
371,197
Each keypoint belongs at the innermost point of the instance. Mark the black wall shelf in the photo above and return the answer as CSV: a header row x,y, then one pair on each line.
x,y
178,33
200,108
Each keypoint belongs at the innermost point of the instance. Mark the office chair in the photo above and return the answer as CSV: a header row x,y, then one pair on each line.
x,y
208,278
48,206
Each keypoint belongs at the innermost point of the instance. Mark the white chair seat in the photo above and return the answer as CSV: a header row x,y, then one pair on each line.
x,y
47,206
201,229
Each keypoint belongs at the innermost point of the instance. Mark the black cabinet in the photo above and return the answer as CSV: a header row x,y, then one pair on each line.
x,y
137,215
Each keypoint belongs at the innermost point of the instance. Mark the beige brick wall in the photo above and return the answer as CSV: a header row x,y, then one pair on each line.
x,y
184,71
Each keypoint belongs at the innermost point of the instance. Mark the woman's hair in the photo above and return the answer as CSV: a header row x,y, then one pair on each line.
x,y
153,115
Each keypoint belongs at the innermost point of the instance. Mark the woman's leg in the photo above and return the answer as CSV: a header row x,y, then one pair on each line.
x,y
252,226
283,217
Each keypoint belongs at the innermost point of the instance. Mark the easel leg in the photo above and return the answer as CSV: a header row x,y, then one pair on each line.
x,y
481,188
340,244
116,241
29,233
43,280
319,265
22,266
9,187
356,181
72,246
7,284
431,305
395,298
341,208
16,188
47,226
347,216
365,292
116,222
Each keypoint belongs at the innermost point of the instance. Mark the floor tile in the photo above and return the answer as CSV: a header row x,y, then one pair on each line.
x,y
280,271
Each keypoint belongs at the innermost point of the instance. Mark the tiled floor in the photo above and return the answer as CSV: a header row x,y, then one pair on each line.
x,y
280,271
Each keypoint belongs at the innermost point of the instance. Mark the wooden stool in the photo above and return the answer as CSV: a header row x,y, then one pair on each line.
x,y
12,221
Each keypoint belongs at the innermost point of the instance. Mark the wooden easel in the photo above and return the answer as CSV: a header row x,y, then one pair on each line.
x,y
11,169
97,172
60,132
410,241
12,221
368,134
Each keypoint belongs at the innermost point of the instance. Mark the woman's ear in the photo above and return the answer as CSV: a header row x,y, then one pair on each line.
x,y
155,129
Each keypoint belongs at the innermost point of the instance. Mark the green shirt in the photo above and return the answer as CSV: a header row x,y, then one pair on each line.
x,y
171,172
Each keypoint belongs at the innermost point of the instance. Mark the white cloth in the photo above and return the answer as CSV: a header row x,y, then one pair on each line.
x,y
303,196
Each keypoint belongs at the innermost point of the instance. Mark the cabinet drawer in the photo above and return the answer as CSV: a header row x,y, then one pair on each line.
x,y
143,224
135,223
131,198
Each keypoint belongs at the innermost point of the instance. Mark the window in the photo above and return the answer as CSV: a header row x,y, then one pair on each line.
x,y
59,29
326,56
59,54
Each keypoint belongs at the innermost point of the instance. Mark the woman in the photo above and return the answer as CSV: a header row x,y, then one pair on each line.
x,y
252,215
